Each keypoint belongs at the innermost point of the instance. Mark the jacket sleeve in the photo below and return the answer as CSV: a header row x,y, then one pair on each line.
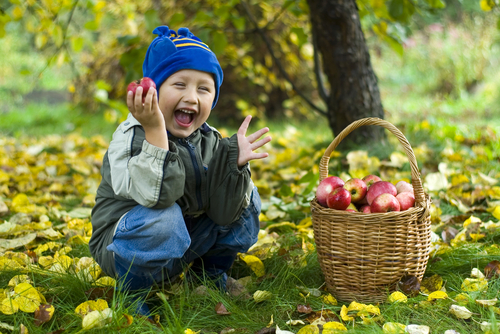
x,y
230,187
151,176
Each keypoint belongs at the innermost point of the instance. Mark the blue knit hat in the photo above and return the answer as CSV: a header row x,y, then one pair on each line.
x,y
171,52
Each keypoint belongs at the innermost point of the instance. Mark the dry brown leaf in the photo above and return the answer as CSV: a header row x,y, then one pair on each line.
x,y
409,285
492,269
304,309
220,309
43,314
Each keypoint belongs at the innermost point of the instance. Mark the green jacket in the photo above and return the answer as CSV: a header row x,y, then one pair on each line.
x,y
200,173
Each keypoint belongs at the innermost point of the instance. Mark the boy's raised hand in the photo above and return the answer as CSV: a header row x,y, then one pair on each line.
x,y
149,115
247,145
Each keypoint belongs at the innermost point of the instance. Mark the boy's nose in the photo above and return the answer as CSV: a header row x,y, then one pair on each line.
x,y
190,96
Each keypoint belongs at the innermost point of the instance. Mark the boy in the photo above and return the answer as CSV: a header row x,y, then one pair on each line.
x,y
173,191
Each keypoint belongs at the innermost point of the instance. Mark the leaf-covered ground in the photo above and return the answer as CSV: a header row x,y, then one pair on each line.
x,y
50,284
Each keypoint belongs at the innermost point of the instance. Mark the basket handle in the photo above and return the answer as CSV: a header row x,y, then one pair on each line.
x,y
415,174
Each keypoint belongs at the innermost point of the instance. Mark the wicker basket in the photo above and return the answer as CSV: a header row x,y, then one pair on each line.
x,y
363,256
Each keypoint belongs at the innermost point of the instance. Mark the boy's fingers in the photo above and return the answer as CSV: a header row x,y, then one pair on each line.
x,y
261,143
256,135
244,126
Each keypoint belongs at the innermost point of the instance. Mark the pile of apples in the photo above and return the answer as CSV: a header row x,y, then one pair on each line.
x,y
368,195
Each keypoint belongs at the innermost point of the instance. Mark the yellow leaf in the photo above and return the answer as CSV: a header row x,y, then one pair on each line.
x,y
437,295
190,331
487,302
496,212
474,284
431,284
472,220
462,298
332,327
397,296
90,306
21,203
27,297
260,296
97,319
255,264
460,312
309,329
9,306
329,299
487,5
343,314
393,328
105,281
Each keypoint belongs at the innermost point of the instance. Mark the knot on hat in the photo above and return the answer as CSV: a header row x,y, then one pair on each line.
x,y
173,51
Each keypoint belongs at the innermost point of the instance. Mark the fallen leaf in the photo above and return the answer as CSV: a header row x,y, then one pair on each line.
x,y
255,264
332,327
220,309
417,329
431,284
295,322
329,299
460,312
492,269
393,328
486,302
437,295
260,296
304,309
309,329
409,285
397,297
279,331
43,314
97,319
474,284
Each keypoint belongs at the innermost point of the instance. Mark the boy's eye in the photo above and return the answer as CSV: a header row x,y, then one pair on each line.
x,y
179,84
205,88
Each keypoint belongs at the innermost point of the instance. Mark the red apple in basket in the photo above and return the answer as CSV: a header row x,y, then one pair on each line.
x,y
339,199
365,209
145,83
371,179
406,200
385,203
326,186
403,186
357,188
378,188
352,207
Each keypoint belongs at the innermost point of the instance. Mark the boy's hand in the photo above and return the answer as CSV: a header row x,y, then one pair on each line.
x,y
149,115
247,145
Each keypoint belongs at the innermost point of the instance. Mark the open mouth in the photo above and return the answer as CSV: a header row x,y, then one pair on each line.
x,y
184,117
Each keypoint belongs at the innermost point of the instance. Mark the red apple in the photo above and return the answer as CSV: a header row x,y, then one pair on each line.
x,y
339,199
371,179
145,83
385,203
357,188
406,200
403,186
326,186
378,188
365,209
350,210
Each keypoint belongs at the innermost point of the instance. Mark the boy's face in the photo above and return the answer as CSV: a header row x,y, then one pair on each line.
x,y
185,99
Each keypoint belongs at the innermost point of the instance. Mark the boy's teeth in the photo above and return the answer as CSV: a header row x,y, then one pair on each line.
x,y
186,111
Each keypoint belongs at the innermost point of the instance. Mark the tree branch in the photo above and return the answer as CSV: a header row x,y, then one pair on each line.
x,y
277,62
317,71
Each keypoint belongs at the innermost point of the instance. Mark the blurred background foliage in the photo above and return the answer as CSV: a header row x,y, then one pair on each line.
x,y
74,58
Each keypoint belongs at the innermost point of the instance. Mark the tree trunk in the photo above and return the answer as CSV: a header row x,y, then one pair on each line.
x,y
354,92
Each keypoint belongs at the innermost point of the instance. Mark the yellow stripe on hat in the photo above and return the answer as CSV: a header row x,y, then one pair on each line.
x,y
192,44
188,39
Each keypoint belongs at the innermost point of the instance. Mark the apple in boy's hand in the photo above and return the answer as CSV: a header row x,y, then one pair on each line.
x,y
357,188
378,188
403,186
145,83
339,199
385,203
406,200
371,179
326,187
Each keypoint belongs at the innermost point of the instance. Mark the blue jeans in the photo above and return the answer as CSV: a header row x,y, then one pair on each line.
x,y
153,245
